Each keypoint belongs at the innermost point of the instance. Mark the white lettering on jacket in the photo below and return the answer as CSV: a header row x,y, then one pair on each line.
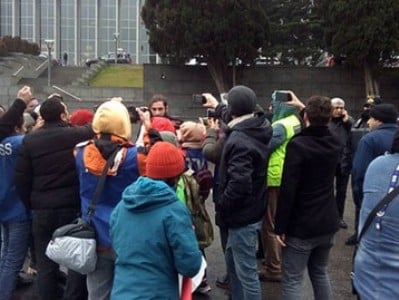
x,y
5,149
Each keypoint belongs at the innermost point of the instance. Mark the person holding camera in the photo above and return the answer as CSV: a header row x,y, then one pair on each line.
x,y
242,178
286,123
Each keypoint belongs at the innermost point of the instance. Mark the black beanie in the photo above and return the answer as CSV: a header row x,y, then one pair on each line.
x,y
241,101
386,113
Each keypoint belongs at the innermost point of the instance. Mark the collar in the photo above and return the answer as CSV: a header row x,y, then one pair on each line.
x,y
240,119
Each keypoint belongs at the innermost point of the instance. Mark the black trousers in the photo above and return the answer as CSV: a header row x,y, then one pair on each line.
x,y
44,222
341,184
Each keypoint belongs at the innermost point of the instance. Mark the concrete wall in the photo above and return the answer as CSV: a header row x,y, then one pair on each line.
x,y
179,83
90,96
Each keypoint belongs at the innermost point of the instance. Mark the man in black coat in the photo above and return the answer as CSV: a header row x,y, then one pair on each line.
x,y
46,180
242,176
341,125
307,215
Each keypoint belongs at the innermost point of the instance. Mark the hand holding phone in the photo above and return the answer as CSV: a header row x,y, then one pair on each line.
x,y
281,96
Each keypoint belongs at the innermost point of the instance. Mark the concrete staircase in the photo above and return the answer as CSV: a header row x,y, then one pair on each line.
x,y
88,73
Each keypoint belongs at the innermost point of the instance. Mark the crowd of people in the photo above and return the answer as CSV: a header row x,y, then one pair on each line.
x,y
279,185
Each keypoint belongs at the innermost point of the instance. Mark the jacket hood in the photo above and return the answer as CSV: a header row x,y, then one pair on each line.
x,y
257,127
147,194
282,110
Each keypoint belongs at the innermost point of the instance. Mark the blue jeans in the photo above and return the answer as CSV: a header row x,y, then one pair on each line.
x,y
312,253
15,238
241,262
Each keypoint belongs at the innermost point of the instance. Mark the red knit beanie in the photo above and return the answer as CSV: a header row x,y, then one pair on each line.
x,y
164,161
162,124
81,117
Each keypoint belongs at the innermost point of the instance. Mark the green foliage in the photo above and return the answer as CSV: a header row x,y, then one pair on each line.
x,y
16,44
217,31
296,31
365,31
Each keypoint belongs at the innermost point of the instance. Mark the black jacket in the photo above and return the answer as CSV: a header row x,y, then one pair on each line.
x,y
242,172
343,132
45,173
306,206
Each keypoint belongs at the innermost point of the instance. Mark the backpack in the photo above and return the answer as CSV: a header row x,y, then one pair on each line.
x,y
204,178
195,202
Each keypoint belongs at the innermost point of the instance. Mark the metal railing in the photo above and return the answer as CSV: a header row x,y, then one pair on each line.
x,y
18,71
67,93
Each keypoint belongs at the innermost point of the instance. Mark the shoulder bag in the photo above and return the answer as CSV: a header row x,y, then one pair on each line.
x,y
74,245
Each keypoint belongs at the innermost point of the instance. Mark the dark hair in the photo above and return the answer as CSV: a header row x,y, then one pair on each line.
x,y
51,109
158,98
318,109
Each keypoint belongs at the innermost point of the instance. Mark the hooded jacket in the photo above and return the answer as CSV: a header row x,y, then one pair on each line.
x,y
242,172
154,240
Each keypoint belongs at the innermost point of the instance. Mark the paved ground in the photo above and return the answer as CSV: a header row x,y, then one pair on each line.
x,y
340,265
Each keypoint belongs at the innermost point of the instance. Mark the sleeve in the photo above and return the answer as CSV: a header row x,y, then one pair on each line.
x,y
212,146
278,137
238,188
82,133
221,113
10,119
182,241
289,186
363,157
23,175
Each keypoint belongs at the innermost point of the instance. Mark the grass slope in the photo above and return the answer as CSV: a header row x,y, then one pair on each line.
x,y
119,76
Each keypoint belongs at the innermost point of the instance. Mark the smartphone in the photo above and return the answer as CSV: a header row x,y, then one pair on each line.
x,y
198,99
281,96
210,113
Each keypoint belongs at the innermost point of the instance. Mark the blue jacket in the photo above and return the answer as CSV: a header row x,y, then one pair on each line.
x,y
377,258
371,145
11,207
111,194
154,240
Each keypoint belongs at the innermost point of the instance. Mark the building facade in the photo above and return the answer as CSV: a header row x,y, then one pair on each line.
x,y
84,29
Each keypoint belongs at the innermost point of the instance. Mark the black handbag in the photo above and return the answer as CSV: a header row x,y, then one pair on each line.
x,y
384,201
74,245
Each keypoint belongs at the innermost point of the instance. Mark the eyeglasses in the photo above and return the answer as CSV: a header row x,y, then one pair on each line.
x,y
339,107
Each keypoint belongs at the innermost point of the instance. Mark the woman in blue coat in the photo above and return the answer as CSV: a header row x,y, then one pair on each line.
x,y
377,258
152,232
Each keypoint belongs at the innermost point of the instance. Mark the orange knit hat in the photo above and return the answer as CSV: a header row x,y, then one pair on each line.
x,y
164,161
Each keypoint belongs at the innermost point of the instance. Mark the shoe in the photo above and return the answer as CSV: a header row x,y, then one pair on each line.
x,y
266,276
203,288
223,282
343,224
352,240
